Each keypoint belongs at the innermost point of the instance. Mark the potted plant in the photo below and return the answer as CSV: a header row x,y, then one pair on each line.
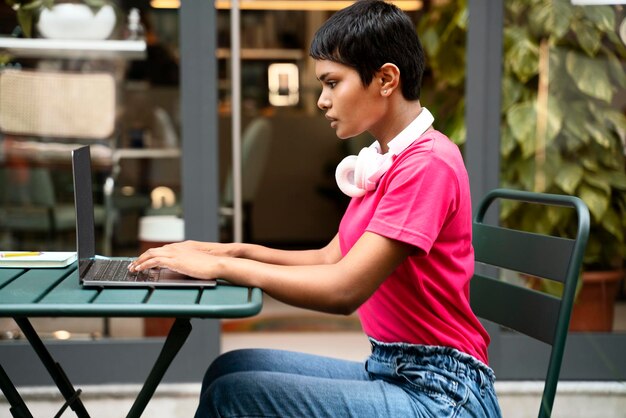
x,y
560,130
99,22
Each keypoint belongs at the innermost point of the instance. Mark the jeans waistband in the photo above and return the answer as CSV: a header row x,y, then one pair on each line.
x,y
446,358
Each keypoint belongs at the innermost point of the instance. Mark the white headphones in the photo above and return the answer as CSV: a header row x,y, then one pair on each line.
x,y
358,174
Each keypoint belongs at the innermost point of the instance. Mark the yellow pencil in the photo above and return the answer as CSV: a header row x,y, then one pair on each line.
x,y
22,254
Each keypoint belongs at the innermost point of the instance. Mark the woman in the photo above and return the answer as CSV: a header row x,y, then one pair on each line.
x,y
402,256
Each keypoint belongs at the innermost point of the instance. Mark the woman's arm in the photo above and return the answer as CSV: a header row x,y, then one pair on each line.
x,y
338,287
331,253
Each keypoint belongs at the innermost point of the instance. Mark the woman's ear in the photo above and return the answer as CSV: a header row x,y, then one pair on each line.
x,y
388,75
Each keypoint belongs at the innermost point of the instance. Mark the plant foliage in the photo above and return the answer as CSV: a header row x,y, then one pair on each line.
x,y
561,132
443,31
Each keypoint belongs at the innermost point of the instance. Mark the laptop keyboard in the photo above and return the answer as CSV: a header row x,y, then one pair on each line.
x,y
117,270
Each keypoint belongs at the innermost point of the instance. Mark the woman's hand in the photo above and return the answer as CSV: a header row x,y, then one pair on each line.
x,y
192,258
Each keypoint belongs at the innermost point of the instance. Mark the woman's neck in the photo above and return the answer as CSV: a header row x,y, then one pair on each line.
x,y
400,115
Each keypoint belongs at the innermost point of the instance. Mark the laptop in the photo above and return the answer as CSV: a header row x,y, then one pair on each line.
x,y
103,272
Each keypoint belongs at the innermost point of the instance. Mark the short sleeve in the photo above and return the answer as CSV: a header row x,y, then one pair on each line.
x,y
419,194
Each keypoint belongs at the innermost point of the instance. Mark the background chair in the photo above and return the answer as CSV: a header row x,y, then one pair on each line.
x,y
28,206
515,306
43,116
256,142
255,149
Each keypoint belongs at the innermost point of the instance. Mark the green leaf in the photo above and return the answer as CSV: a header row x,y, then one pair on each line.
x,y
589,37
515,9
511,91
461,17
590,76
557,216
523,59
602,17
572,143
613,224
507,142
561,19
590,162
617,120
507,207
569,177
25,19
555,120
616,69
526,172
618,181
451,63
596,201
457,130
551,18
522,119
31,6
599,180
577,113
430,41
599,134
521,53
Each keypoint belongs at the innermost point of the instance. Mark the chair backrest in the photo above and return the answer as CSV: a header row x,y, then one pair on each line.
x,y
22,186
255,149
513,305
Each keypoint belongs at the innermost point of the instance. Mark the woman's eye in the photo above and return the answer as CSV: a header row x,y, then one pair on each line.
x,y
331,84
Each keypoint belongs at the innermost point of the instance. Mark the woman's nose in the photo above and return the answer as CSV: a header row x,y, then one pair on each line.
x,y
323,102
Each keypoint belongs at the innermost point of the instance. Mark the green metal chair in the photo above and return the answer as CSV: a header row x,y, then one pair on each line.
x,y
513,305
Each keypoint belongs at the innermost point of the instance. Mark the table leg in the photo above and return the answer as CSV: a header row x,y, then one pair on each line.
x,y
18,407
54,368
175,339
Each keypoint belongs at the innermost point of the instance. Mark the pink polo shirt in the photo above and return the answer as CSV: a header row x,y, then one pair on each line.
x,y
422,200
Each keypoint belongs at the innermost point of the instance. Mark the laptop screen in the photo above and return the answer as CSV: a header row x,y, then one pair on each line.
x,y
83,201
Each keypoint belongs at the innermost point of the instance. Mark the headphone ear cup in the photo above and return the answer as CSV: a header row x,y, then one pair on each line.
x,y
345,177
376,170
361,167
367,166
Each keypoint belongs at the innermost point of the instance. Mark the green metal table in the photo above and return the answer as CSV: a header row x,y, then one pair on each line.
x,y
26,293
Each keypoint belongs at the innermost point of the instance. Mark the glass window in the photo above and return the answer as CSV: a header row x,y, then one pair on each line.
x,y
563,131
135,148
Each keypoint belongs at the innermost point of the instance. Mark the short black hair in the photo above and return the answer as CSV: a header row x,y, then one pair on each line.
x,y
368,34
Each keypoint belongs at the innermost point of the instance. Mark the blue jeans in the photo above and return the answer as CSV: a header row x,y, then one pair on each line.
x,y
397,380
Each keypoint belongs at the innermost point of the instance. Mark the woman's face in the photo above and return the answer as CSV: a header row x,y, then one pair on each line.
x,y
351,107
